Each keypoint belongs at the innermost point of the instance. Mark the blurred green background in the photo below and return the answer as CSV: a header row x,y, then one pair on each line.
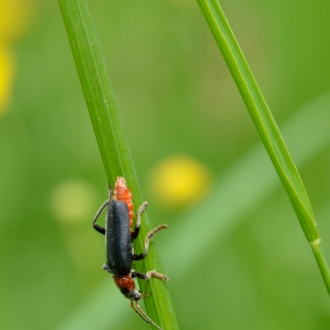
x,y
237,259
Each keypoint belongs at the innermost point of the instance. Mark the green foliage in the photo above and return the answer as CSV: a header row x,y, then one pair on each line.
x,y
241,262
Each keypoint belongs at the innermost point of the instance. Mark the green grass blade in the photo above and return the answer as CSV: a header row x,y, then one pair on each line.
x,y
109,134
265,125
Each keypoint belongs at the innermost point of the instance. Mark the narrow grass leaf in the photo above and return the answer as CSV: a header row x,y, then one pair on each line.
x,y
110,137
265,124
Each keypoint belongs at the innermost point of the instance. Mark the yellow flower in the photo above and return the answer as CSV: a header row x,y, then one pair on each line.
x,y
7,71
179,181
15,16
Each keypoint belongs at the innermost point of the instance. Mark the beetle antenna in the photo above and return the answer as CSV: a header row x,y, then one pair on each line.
x,y
106,203
143,315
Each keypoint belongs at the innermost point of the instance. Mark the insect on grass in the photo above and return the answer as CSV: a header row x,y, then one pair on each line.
x,y
119,238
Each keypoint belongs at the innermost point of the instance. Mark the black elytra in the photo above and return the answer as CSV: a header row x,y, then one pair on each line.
x,y
119,256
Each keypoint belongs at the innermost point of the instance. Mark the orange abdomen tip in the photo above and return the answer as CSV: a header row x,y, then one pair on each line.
x,y
123,194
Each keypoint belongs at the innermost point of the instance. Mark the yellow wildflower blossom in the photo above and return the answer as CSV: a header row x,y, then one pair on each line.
x,y
179,181
7,70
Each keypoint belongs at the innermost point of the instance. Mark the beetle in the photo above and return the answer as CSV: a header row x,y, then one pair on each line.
x,y
119,238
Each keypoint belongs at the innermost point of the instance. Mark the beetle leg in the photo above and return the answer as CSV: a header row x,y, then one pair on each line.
x,y
143,315
149,274
146,242
136,231
137,312
95,225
